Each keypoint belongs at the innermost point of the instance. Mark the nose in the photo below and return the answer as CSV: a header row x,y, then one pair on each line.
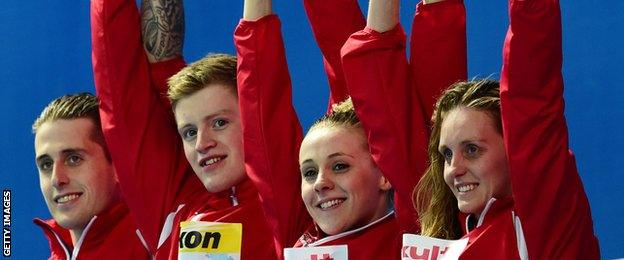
x,y
457,166
323,182
59,176
205,141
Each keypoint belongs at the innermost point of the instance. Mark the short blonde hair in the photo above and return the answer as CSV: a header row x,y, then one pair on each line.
x,y
81,105
212,69
74,106
341,114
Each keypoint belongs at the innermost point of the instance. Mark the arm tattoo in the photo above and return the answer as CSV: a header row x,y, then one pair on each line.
x,y
162,26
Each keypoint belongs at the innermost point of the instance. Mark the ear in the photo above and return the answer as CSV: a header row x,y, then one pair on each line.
x,y
384,184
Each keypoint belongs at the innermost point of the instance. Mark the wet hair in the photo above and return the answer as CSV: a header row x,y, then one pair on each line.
x,y
74,106
434,201
342,114
212,69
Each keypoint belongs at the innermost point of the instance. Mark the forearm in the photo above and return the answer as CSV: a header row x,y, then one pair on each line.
x,y
162,24
256,9
332,22
383,15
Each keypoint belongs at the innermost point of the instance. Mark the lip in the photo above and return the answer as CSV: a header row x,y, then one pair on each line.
x,y
461,184
67,204
320,202
211,167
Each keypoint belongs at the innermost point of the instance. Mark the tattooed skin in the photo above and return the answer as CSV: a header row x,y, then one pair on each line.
x,y
162,23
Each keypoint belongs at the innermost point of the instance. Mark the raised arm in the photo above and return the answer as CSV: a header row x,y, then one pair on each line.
x,y
438,55
547,191
332,23
376,72
162,28
139,130
271,130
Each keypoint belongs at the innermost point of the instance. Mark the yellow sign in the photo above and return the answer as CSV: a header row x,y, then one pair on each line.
x,y
201,239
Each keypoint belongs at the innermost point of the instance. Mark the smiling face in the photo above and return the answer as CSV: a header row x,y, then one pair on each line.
x,y
341,186
76,178
210,126
475,166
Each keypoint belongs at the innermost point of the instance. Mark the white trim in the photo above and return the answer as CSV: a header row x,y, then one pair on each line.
x,y
233,197
481,216
67,256
523,252
344,234
140,236
168,226
81,239
485,210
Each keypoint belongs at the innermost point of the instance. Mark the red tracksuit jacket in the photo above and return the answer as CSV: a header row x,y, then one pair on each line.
x,y
391,105
271,126
159,186
109,235
549,215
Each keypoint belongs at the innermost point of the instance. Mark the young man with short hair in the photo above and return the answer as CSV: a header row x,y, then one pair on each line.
x,y
79,185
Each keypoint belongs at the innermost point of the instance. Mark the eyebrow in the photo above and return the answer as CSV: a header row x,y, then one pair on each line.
x,y
63,152
464,142
211,116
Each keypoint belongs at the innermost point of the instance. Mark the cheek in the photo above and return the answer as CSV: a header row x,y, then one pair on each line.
x,y
307,192
189,151
448,178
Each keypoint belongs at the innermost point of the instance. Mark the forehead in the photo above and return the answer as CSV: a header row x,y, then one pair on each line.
x,y
56,136
466,124
321,142
209,100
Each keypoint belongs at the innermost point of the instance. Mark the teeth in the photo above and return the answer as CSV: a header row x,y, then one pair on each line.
x,y
67,198
330,203
466,187
212,161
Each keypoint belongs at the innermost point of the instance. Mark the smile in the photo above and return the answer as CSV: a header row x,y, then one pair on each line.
x,y
466,187
67,198
330,203
210,161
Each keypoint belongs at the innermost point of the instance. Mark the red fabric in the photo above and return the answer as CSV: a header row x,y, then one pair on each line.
x,y
379,241
332,24
391,105
438,53
111,236
141,134
271,130
256,241
550,201
271,127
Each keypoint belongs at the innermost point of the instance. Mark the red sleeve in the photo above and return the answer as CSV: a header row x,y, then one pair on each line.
x,y
438,50
271,130
547,191
160,72
139,130
332,22
376,71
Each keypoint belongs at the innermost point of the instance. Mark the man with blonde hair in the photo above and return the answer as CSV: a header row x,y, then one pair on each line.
x,y
79,185
182,171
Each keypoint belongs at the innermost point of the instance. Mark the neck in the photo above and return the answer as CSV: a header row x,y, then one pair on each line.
x,y
75,235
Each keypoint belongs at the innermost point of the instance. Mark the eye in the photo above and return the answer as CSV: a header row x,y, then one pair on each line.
x,y
220,123
447,154
45,165
471,150
340,167
309,173
189,133
73,160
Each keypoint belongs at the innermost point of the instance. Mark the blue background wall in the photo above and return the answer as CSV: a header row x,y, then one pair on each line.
x,y
46,53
